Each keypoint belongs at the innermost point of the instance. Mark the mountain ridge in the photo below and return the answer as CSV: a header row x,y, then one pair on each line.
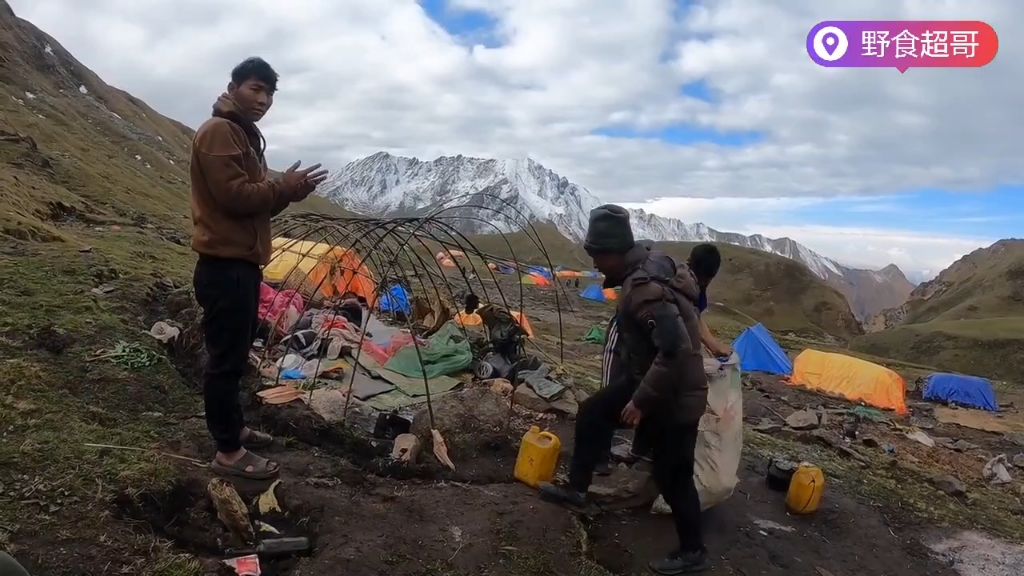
x,y
475,189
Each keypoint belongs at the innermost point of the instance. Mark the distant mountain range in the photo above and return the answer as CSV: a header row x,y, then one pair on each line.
x,y
385,185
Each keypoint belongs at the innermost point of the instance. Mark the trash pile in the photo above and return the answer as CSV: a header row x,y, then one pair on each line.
x,y
412,373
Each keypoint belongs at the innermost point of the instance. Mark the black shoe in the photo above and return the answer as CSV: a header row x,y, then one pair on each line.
x,y
561,495
676,563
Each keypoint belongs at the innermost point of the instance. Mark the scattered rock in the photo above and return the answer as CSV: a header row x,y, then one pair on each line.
x,y
566,405
802,420
821,571
581,395
950,485
943,441
525,396
851,453
767,426
923,423
463,418
624,488
1018,460
407,448
963,446
1016,438
870,442
922,408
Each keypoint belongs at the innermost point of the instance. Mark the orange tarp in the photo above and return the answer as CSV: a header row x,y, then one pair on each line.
x,y
850,378
474,319
610,294
319,269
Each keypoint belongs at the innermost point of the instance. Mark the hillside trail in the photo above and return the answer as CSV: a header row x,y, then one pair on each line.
x,y
365,523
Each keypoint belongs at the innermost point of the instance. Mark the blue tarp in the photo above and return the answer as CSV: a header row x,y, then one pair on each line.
x,y
593,292
504,269
759,352
396,300
540,271
969,391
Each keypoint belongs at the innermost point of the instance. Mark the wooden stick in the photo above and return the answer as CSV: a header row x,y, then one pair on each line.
x,y
135,449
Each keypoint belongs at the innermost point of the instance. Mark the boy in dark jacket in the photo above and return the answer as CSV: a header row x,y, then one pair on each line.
x,y
664,384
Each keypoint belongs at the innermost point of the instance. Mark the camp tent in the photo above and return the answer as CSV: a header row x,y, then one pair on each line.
x,y
396,299
970,391
568,274
534,280
539,271
851,378
506,269
593,292
611,294
448,263
317,269
474,319
440,256
759,352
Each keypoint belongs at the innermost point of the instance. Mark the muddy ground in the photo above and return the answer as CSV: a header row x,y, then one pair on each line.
x,y
369,517
365,524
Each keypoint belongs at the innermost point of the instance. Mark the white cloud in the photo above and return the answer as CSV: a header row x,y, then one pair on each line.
x,y
920,255
363,75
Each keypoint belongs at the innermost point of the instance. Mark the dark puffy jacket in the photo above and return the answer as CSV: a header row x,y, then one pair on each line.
x,y
659,339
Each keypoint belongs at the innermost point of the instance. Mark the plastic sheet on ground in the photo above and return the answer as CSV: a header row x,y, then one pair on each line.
x,y
446,352
412,387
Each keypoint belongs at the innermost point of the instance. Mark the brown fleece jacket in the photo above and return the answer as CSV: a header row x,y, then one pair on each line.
x,y
232,198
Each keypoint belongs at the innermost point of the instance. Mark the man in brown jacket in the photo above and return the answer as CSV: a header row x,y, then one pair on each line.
x,y
664,384
233,201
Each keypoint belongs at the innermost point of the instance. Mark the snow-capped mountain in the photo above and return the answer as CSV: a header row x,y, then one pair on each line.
x,y
387,185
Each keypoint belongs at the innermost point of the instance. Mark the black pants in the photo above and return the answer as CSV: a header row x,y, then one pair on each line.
x,y
672,445
228,290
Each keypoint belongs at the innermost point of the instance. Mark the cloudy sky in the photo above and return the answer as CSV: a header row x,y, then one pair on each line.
x,y
706,110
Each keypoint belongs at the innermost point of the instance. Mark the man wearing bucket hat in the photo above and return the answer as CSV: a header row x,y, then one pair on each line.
x,y
659,346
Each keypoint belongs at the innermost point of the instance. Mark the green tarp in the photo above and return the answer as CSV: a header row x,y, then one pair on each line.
x,y
595,335
446,352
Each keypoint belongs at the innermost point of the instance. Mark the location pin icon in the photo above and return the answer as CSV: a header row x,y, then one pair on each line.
x,y
831,42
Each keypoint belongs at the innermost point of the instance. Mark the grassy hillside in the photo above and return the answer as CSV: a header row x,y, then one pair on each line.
x,y
970,318
93,192
781,293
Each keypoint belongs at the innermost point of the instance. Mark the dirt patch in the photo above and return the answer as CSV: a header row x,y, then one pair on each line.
x,y
751,533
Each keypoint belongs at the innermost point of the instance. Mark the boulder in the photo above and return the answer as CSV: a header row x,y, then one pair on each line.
x,y
525,396
802,420
566,405
624,488
464,418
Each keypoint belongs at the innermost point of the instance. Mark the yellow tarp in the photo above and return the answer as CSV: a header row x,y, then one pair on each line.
x,y
851,378
474,319
317,269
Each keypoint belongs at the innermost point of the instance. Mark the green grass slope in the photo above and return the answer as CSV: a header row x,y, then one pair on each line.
x,y
969,319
